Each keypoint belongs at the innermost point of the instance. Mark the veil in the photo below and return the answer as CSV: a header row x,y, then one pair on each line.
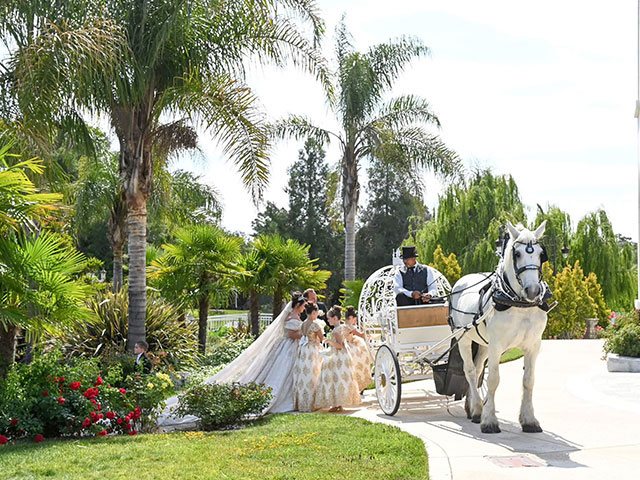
x,y
245,368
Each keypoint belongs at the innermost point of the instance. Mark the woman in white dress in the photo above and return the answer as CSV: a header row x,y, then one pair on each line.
x,y
269,360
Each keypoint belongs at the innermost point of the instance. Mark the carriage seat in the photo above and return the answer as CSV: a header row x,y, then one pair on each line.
x,y
422,324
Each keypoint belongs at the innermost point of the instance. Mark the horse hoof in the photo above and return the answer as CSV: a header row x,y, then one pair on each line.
x,y
531,428
475,418
490,428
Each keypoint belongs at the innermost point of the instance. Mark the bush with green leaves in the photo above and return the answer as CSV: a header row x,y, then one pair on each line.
x,y
149,392
172,339
624,339
53,398
226,351
225,404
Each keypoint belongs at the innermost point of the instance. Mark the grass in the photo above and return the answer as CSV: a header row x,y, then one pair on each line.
x,y
310,446
510,355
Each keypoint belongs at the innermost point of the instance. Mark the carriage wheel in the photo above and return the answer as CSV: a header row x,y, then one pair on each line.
x,y
388,380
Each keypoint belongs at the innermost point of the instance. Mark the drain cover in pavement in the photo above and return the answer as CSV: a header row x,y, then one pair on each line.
x,y
516,461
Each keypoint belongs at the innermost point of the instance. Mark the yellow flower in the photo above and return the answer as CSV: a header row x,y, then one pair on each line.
x,y
149,385
165,385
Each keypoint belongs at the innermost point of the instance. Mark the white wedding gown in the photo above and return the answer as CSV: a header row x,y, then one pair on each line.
x,y
269,360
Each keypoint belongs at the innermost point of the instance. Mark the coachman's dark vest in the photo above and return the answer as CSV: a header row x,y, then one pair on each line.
x,y
415,278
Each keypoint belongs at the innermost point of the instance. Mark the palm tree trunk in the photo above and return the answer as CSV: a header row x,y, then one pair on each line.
x,y
117,269
254,313
117,236
277,303
7,348
203,314
350,194
137,225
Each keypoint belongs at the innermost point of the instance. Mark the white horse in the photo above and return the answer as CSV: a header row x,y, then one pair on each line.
x,y
520,326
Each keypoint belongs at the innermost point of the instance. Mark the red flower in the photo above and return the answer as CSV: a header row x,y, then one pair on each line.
x,y
61,400
102,433
119,421
122,391
93,414
62,379
59,391
98,406
45,393
127,419
14,421
128,426
133,432
38,438
98,381
75,385
111,415
86,423
93,400
3,440
100,416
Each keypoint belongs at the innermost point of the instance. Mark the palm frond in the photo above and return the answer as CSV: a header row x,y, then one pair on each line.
x,y
403,111
300,127
229,110
389,59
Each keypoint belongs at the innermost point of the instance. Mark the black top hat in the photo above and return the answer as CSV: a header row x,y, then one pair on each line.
x,y
409,252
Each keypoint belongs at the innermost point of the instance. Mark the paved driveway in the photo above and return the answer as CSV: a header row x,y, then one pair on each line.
x,y
590,418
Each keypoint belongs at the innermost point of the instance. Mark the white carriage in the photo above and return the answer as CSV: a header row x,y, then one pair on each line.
x,y
408,343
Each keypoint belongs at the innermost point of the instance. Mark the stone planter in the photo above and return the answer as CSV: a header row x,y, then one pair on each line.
x,y
620,363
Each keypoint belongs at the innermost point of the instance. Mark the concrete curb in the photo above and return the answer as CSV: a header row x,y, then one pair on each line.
x,y
620,363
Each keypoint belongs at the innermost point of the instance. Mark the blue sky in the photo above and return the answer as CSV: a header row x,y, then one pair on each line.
x,y
543,91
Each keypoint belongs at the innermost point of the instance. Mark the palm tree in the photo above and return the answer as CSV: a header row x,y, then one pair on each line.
x,y
361,82
295,270
183,59
197,269
38,289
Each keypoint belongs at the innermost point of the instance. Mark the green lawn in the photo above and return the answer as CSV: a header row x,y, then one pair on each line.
x,y
509,355
310,446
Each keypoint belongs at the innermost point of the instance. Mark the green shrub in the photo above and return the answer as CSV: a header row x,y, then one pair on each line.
x,y
172,341
53,398
226,351
225,404
149,392
624,340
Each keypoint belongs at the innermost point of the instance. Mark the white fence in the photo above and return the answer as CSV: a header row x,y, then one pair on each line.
x,y
234,320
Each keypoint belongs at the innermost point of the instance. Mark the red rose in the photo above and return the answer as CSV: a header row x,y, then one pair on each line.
x,y
45,393
3,440
128,426
119,421
98,381
93,400
38,438
102,433
133,432
122,391
93,414
111,415
98,406
75,385
127,419
14,421
55,379
61,400
59,391
86,423
100,416
62,379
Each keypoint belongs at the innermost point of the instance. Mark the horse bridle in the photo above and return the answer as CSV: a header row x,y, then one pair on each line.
x,y
544,257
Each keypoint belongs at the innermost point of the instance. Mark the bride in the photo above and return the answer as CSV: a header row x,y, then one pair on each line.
x,y
268,360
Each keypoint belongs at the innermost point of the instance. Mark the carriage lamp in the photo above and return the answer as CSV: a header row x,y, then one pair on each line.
x,y
565,251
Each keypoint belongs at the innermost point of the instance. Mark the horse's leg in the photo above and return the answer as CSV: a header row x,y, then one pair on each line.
x,y
527,418
489,422
473,403
480,358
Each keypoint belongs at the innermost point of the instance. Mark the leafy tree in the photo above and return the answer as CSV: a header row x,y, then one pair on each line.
x,y
447,265
184,59
361,82
39,290
272,221
557,234
600,251
386,219
197,269
351,292
468,219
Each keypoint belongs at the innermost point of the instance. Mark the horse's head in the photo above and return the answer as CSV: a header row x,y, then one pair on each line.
x,y
523,259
